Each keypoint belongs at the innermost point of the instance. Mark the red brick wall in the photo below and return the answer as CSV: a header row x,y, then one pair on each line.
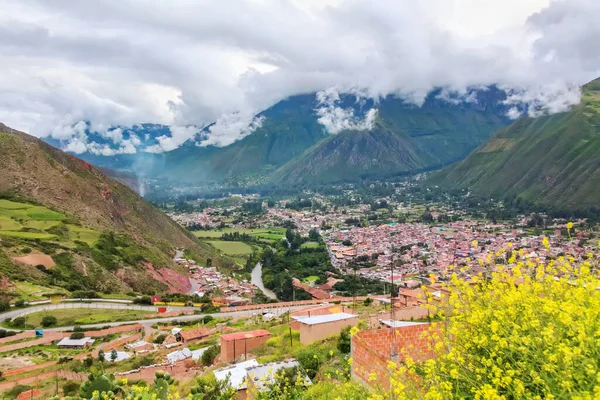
x,y
242,346
372,349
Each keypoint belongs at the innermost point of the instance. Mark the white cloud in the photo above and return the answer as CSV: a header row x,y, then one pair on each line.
x,y
187,64
179,134
336,119
229,128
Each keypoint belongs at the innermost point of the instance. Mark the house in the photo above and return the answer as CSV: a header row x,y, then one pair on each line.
x,y
170,342
179,355
68,343
140,346
234,345
313,311
372,349
236,375
263,375
322,326
185,336
121,355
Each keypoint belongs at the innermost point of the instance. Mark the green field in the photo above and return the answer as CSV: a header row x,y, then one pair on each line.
x,y
310,245
85,316
31,292
262,233
310,279
231,248
28,221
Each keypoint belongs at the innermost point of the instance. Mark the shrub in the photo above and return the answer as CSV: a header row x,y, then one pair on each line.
x,y
209,356
160,338
71,388
344,340
18,322
49,320
529,330
77,335
20,303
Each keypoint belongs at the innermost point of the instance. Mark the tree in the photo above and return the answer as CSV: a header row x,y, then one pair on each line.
x,y
77,335
209,356
344,341
49,320
114,355
101,355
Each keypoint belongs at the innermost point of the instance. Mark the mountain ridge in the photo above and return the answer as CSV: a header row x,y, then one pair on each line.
x,y
552,159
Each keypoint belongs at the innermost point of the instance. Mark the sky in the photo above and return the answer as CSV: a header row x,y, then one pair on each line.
x,y
67,67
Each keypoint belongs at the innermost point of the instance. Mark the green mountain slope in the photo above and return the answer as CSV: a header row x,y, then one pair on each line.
x,y
292,146
100,234
405,139
288,129
552,159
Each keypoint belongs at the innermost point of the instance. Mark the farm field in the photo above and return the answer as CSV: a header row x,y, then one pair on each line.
x,y
31,292
310,245
231,248
84,316
262,233
28,221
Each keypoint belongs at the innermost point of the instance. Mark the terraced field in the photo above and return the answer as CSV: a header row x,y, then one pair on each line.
x,y
29,221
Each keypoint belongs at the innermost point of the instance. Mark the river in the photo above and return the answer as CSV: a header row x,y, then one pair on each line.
x,y
258,282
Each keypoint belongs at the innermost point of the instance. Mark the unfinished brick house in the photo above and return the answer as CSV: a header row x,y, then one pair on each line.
x,y
371,351
235,345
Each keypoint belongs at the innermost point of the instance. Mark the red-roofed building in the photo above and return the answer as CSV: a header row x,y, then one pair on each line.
x,y
234,345
194,334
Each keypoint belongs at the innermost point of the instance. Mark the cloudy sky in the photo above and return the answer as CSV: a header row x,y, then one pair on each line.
x,y
187,63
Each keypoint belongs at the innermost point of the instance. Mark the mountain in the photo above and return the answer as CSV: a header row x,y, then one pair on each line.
x,y
293,146
288,129
551,159
91,232
405,139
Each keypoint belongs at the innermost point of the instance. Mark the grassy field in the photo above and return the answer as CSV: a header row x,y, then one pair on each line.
x,y
28,221
262,233
231,248
84,316
31,292
310,245
310,279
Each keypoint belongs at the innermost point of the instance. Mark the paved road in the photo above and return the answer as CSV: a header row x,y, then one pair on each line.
x,y
146,322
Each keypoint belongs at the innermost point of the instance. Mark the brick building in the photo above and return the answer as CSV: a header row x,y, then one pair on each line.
x,y
371,351
234,345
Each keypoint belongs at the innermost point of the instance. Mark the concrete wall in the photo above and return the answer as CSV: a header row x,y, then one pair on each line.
x,y
312,333
233,349
371,350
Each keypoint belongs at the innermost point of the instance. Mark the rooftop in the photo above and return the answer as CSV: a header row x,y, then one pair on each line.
x,y
322,319
399,324
75,342
245,335
236,373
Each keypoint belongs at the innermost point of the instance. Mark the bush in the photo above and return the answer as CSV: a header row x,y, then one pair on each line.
x,y
18,322
49,320
71,388
160,338
344,341
209,356
16,390
147,300
20,303
4,305
77,335
529,331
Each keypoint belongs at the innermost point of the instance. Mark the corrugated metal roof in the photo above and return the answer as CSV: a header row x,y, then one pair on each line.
x,y
399,324
236,374
321,319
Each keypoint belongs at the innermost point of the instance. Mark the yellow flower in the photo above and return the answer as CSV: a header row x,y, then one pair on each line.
x,y
353,331
569,225
474,243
